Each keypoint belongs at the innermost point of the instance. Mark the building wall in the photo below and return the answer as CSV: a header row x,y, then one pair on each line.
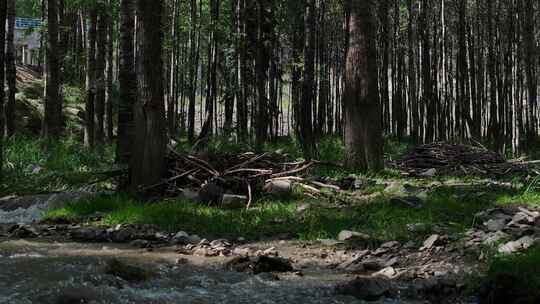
x,y
27,41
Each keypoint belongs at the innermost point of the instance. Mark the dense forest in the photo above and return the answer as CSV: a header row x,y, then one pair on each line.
x,y
398,135
259,70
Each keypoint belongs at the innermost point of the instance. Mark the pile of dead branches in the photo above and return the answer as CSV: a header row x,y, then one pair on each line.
x,y
214,178
457,159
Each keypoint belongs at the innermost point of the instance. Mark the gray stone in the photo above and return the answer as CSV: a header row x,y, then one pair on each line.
x,y
495,224
419,228
279,187
127,272
515,246
495,237
347,235
433,240
368,289
388,272
429,173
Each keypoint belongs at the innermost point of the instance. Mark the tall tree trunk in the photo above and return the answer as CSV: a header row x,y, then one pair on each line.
x,y
3,14
307,137
52,121
384,11
148,161
89,131
100,72
261,68
363,128
11,70
109,119
531,58
128,82
193,68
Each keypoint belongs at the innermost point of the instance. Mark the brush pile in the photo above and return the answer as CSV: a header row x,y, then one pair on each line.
x,y
232,180
457,159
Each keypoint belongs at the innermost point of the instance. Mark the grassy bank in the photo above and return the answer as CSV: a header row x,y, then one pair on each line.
x,y
445,210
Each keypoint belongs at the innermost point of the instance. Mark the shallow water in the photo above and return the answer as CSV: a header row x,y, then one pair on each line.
x,y
51,273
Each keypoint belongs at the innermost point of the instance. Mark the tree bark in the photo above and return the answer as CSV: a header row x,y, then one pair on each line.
x,y
3,14
89,134
52,122
128,82
148,161
363,129
11,70
100,72
109,119
307,137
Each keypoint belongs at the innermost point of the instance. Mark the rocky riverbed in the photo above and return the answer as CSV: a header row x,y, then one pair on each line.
x,y
68,262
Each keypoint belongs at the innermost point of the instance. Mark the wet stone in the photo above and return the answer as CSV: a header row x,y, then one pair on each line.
x,y
368,289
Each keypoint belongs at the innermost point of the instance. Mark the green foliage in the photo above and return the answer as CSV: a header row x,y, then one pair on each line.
x,y
514,279
73,95
449,210
30,168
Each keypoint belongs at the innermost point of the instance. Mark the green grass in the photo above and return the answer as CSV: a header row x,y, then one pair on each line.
x,y
514,279
451,211
65,165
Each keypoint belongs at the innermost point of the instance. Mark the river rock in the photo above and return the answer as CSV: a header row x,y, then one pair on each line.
x,y
89,235
388,272
127,272
259,264
352,236
515,246
22,231
368,289
279,188
77,295
495,237
433,240
183,238
496,224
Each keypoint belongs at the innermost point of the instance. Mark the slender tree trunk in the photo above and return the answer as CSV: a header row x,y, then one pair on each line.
x,y
128,82
11,70
363,127
100,73
307,137
109,119
261,68
531,58
148,161
52,122
3,15
89,138
193,68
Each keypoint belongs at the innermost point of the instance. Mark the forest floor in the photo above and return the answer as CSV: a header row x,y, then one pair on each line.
x,y
439,239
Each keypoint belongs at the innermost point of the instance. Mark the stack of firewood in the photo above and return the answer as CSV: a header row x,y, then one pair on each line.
x,y
458,159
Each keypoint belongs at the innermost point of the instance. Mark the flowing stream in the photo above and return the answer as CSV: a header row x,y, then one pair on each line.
x,y
38,272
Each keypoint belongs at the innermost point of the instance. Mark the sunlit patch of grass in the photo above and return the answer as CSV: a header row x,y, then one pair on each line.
x,y
383,219
32,168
